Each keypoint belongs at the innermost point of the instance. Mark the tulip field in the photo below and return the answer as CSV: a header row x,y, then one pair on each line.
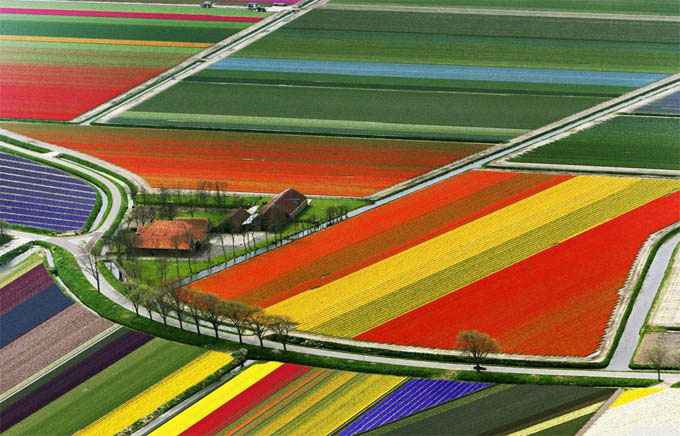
x,y
275,398
412,271
416,74
252,162
90,53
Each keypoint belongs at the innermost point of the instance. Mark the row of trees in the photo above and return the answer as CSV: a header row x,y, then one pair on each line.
x,y
188,303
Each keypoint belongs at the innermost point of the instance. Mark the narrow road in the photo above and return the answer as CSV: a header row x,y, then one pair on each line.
x,y
650,286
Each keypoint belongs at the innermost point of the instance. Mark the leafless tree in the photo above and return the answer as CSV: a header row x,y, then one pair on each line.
x,y
657,356
224,249
176,298
190,239
163,196
282,325
149,302
211,308
177,241
202,192
162,268
259,322
163,305
238,314
476,345
134,295
92,267
192,297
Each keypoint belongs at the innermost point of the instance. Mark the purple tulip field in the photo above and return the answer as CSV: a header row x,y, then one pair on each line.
x,y
35,195
412,397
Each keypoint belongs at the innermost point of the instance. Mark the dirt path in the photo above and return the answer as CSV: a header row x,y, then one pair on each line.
x,y
505,12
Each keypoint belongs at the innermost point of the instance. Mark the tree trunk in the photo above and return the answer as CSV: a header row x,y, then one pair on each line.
x,y
215,327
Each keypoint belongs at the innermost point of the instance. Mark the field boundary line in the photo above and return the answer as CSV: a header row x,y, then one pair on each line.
x,y
491,156
194,64
642,100
600,412
504,12
103,108
28,382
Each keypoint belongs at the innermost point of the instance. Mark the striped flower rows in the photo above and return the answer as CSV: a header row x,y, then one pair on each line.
x,y
423,257
286,399
157,395
39,196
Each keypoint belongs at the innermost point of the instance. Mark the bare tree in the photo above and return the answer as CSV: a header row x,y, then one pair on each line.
x,y
282,325
162,268
177,241
657,356
163,196
224,249
193,304
259,322
92,267
163,305
238,314
149,301
202,192
176,298
477,345
212,309
190,239
135,295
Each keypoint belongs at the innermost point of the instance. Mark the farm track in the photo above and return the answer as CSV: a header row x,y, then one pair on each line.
x,y
503,12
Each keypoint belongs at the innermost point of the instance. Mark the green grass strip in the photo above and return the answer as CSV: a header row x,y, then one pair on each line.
x,y
339,125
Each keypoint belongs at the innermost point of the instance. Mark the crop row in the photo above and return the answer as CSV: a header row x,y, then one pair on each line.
x,y
329,255
283,399
443,264
48,199
256,162
572,287
160,393
410,398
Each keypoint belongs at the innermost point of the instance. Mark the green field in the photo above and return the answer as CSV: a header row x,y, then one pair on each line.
x,y
499,410
216,76
119,28
482,40
107,390
624,141
660,7
453,115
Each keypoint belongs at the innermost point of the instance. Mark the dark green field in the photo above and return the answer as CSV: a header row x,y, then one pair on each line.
x,y
660,7
119,28
482,40
501,412
452,115
624,141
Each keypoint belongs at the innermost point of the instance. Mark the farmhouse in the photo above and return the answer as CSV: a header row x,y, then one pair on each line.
x,y
234,222
283,208
181,234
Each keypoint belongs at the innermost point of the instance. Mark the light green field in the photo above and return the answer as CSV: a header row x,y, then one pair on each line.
x,y
452,115
660,7
107,390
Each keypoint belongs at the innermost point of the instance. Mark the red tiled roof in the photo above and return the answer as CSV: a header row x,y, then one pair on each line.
x,y
288,201
160,235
